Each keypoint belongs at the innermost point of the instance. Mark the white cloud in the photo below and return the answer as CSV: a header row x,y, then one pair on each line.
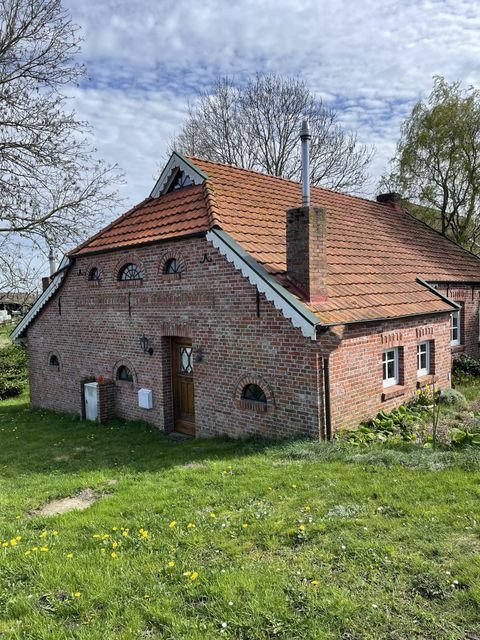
x,y
371,59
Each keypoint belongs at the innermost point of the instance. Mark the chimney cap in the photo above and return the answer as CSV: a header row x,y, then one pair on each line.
x,y
305,131
389,198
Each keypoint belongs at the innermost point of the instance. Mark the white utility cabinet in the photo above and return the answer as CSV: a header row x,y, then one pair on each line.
x,y
145,400
91,400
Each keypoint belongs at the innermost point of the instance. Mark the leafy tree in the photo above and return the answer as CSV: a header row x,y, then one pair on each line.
x,y
52,190
436,167
257,127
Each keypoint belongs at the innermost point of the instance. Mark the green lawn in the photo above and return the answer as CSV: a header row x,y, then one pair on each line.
x,y
240,540
5,331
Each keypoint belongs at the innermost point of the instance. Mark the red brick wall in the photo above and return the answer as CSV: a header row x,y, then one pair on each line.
x,y
211,303
94,328
468,297
357,390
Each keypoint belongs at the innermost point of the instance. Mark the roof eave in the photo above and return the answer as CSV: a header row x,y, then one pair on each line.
x,y
57,279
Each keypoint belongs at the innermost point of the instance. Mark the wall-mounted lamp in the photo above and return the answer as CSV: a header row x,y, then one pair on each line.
x,y
198,357
144,342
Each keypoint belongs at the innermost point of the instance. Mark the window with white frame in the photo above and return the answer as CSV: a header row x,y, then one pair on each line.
x,y
423,359
390,367
455,327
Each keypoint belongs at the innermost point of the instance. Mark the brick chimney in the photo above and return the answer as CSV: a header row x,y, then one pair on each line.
x,y
306,251
306,236
393,199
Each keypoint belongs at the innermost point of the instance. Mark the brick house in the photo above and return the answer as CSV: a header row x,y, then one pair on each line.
x,y
219,305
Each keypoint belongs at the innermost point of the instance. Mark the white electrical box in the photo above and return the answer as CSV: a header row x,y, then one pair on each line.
x,y
145,398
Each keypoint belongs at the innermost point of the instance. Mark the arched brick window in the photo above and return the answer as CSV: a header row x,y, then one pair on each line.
x,y
94,275
130,271
252,393
53,362
172,265
124,373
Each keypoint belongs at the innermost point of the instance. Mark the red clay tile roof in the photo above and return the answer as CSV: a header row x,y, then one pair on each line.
x,y
374,252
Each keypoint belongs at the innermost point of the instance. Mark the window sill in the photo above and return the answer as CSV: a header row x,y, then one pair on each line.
x,y
458,348
393,392
129,284
424,381
252,405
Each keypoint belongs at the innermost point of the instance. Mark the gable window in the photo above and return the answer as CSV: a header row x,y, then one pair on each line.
x,y
94,275
172,266
455,328
390,367
130,271
423,358
124,373
255,393
180,180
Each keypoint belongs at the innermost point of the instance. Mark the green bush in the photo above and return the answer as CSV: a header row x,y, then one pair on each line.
x,y
466,366
462,437
453,398
13,371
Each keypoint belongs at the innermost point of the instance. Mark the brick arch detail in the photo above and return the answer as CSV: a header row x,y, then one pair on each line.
x,y
52,367
128,364
90,266
252,405
169,255
128,259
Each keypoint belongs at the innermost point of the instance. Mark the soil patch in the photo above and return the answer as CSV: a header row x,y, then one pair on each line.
x,y
81,501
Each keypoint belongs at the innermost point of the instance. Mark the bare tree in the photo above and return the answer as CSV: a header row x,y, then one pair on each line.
x,y
52,190
257,127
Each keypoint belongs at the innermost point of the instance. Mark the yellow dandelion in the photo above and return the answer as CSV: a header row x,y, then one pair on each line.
x,y
27,553
114,528
114,545
294,486
125,533
172,524
190,525
13,542
55,533
5,544
44,549
245,525
187,573
212,515
18,538
314,583
194,576
34,548
43,534
77,594
113,554
97,535
302,527
69,555
146,596
307,508
105,536
171,564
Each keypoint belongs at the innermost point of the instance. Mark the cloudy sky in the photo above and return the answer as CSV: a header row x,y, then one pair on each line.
x,y
371,60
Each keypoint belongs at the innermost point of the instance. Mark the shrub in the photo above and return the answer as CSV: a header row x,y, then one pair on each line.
x,y
467,366
403,422
453,398
13,371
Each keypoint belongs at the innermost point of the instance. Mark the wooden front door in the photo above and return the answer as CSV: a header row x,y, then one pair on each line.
x,y
182,380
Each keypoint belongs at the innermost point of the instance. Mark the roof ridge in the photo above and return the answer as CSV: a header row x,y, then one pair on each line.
x,y
109,226
280,178
211,204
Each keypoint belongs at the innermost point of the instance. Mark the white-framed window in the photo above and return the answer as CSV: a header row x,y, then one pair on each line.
x,y
423,359
455,328
390,367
